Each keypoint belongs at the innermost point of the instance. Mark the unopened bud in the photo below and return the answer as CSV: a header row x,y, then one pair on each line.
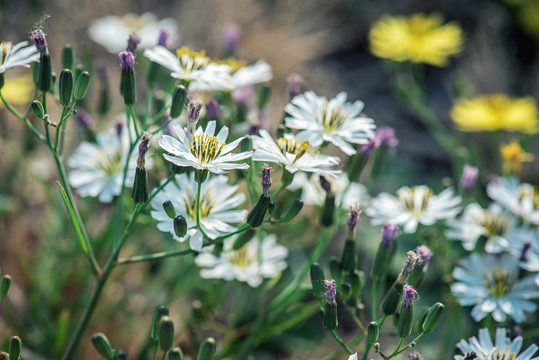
x,y
258,212
373,332
435,314
169,209
38,110
40,41
102,345
388,232
179,96
159,312
408,295
266,180
83,82
212,109
335,268
180,226
66,87
45,73
68,57
353,217
408,266
193,115
243,239
141,188
5,284
406,316
207,350
166,333
330,316
328,210
349,257
392,299
317,280
175,354
386,137
127,83
331,290
15,347
292,210
132,43
469,177
385,252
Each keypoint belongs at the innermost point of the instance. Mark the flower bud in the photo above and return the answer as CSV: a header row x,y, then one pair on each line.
x,y
335,268
159,312
385,252
373,332
179,96
193,114
423,257
386,138
166,333
331,290
102,345
127,83
206,351
38,110
120,355
258,212
405,321
5,284
66,87
45,73
330,316
169,209
243,239
4,355
353,217
15,347
317,280
349,258
328,210
392,299
469,177
68,57
132,42
292,210
264,93
40,41
266,180
435,314
201,175
83,82
180,226
175,354
212,109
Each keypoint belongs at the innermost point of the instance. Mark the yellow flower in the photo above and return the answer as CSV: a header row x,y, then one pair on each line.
x,y
496,112
18,90
513,156
419,38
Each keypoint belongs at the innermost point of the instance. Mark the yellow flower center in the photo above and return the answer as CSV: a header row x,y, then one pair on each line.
x,y
241,258
333,120
499,282
205,148
295,147
503,355
206,204
5,46
134,23
112,163
513,156
408,198
234,64
191,58
494,224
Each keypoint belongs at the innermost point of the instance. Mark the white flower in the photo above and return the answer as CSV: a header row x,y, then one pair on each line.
x,y
502,349
346,193
98,167
494,223
521,199
491,284
203,150
113,31
525,245
353,357
16,55
217,203
250,75
414,205
293,153
334,120
256,260
194,67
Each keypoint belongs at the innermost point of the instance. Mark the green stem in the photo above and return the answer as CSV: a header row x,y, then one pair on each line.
x,y
339,340
154,256
199,188
156,344
411,344
373,299
119,200
149,97
133,116
368,345
281,188
58,128
396,351
23,118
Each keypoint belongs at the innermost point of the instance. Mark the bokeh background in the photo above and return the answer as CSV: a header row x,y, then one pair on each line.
x,y
323,41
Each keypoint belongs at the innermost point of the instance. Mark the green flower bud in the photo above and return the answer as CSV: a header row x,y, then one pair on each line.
x,y
206,351
349,256
4,356
328,211
15,347
35,72
169,209
102,345
201,176
382,260
141,188
68,57
258,212
317,280
346,290
335,269
152,73
435,314
66,87
356,285
243,239
166,333
180,226
179,96
406,316
272,207
5,284
83,82
38,110
45,73
373,332
121,355
175,354
392,299
330,316
292,210
264,94
159,312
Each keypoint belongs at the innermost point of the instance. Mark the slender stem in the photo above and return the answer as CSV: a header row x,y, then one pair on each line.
x,y
373,299
58,127
23,118
119,200
199,188
155,345
164,355
368,345
154,256
396,351
281,188
160,114
411,344
149,97
133,116
339,340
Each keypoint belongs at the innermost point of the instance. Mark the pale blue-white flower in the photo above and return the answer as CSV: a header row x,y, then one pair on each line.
x,y
20,54
519,198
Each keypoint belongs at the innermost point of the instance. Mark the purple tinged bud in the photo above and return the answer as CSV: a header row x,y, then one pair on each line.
x,y
266,180
132,43
254,129
386,138
353,216
84,119
144,144
368,148
389,232
193,115
40,41
231,37
424,254
409,265
163,38
331,291
127,60
294,85
326,185
525,250
212,109
415,356
408,295
469,177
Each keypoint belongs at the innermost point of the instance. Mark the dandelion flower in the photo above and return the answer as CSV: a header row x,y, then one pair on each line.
x,y
491,284
413,206
335,121
113,31
513,156
501,348
418,38
496,112
202,150
16,55
256,260
218,201
520,199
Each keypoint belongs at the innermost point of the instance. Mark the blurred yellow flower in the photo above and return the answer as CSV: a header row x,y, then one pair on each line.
x,y
513,156
496,112
419,38
17,90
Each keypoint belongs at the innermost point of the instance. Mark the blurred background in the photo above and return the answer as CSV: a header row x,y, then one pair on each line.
x,y
325,42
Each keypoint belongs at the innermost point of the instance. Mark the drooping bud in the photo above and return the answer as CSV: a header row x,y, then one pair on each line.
x,y
141,188
317,280
469,177
5,284
293,85
435,314
169,209
292,210
373,332
266,180
206,351
386,138
415,356
212,109
159,312
68,57
175,354
82,85
193,115
15,347
163,38
353,217
66,87
102,345
166,333
127,84
38,110
40,41
132,43
180,226
407,311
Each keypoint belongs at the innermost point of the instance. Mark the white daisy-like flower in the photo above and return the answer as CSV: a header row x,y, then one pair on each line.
x,y
519,198
97,168
253,74
498,226
17,55
413,206
491,284
503,348
194,67
113,31
525,245
293,153
335,120
217,203
346,193
256,260
202,150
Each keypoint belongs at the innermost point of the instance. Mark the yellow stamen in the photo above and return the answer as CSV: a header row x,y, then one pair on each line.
x,y
206,205
408,198
499,282
205,148
495,224
295,147
234,64
241,258
199,59
334,120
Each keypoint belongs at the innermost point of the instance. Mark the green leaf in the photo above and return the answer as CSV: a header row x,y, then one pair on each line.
x,y
74,221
